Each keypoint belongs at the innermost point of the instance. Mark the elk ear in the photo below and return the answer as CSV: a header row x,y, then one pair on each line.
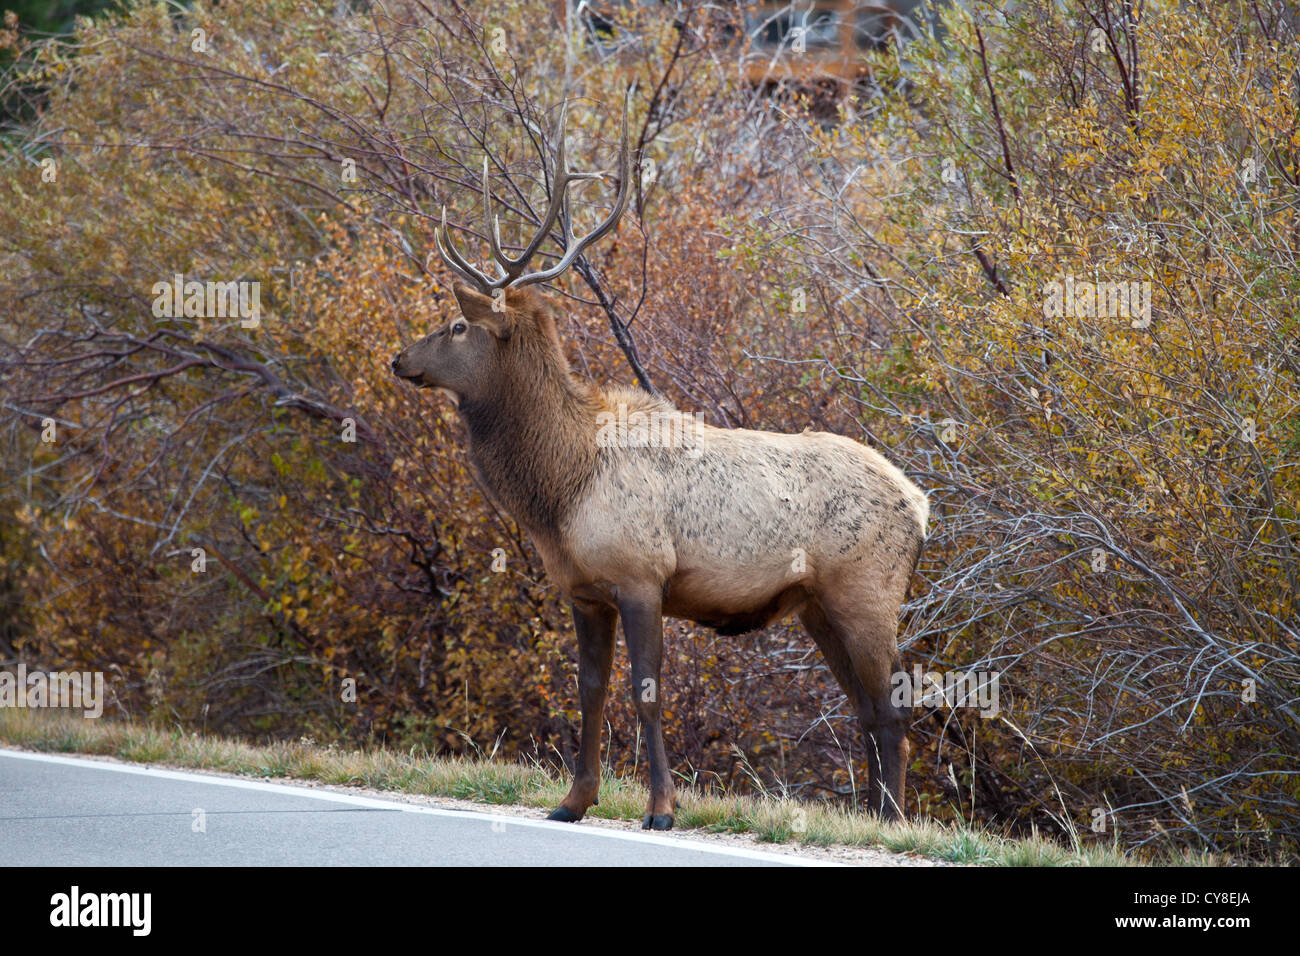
x,y
478,308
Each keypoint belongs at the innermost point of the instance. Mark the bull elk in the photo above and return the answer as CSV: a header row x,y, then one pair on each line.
x,y
729,528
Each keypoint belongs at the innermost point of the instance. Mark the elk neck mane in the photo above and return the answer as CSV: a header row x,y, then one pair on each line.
x,y
533,436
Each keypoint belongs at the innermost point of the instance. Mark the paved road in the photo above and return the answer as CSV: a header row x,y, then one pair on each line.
x,y
75,812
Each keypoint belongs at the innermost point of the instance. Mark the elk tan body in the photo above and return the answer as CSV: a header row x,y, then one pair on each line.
x,y
640,511
737,527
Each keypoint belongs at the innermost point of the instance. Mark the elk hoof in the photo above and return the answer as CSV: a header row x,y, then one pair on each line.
x,y
657,821
564,815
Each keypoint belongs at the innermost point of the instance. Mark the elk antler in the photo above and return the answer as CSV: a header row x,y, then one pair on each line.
x,y
512,269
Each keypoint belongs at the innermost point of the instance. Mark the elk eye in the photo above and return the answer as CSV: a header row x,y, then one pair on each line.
x,y
459,328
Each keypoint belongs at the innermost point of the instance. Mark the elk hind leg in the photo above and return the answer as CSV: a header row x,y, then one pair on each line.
x,y
861,647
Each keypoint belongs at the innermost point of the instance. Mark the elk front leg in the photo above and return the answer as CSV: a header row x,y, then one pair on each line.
x,y
643,628
595,624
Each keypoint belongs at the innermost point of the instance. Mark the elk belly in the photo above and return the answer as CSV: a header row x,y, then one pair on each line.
x,y
733,603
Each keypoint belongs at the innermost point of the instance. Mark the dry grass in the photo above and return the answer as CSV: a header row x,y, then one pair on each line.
x,y
537,785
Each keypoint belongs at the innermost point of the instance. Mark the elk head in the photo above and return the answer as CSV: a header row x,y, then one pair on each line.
x,y
468,355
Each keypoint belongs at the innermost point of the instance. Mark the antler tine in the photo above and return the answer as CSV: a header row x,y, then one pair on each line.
x,y
575,249
452,257
493,230
559,186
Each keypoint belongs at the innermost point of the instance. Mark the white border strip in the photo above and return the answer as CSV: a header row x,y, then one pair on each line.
x,y
331,796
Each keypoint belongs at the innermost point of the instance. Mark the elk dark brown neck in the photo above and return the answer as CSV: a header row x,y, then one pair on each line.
x,y
533,440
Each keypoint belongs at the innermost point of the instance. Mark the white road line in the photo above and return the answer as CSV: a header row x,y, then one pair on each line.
x,y
330,796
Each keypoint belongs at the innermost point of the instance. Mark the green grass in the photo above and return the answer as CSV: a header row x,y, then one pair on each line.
x,y
496,782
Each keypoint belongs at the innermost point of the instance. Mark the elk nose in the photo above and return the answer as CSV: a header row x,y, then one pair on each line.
x,y
393,365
